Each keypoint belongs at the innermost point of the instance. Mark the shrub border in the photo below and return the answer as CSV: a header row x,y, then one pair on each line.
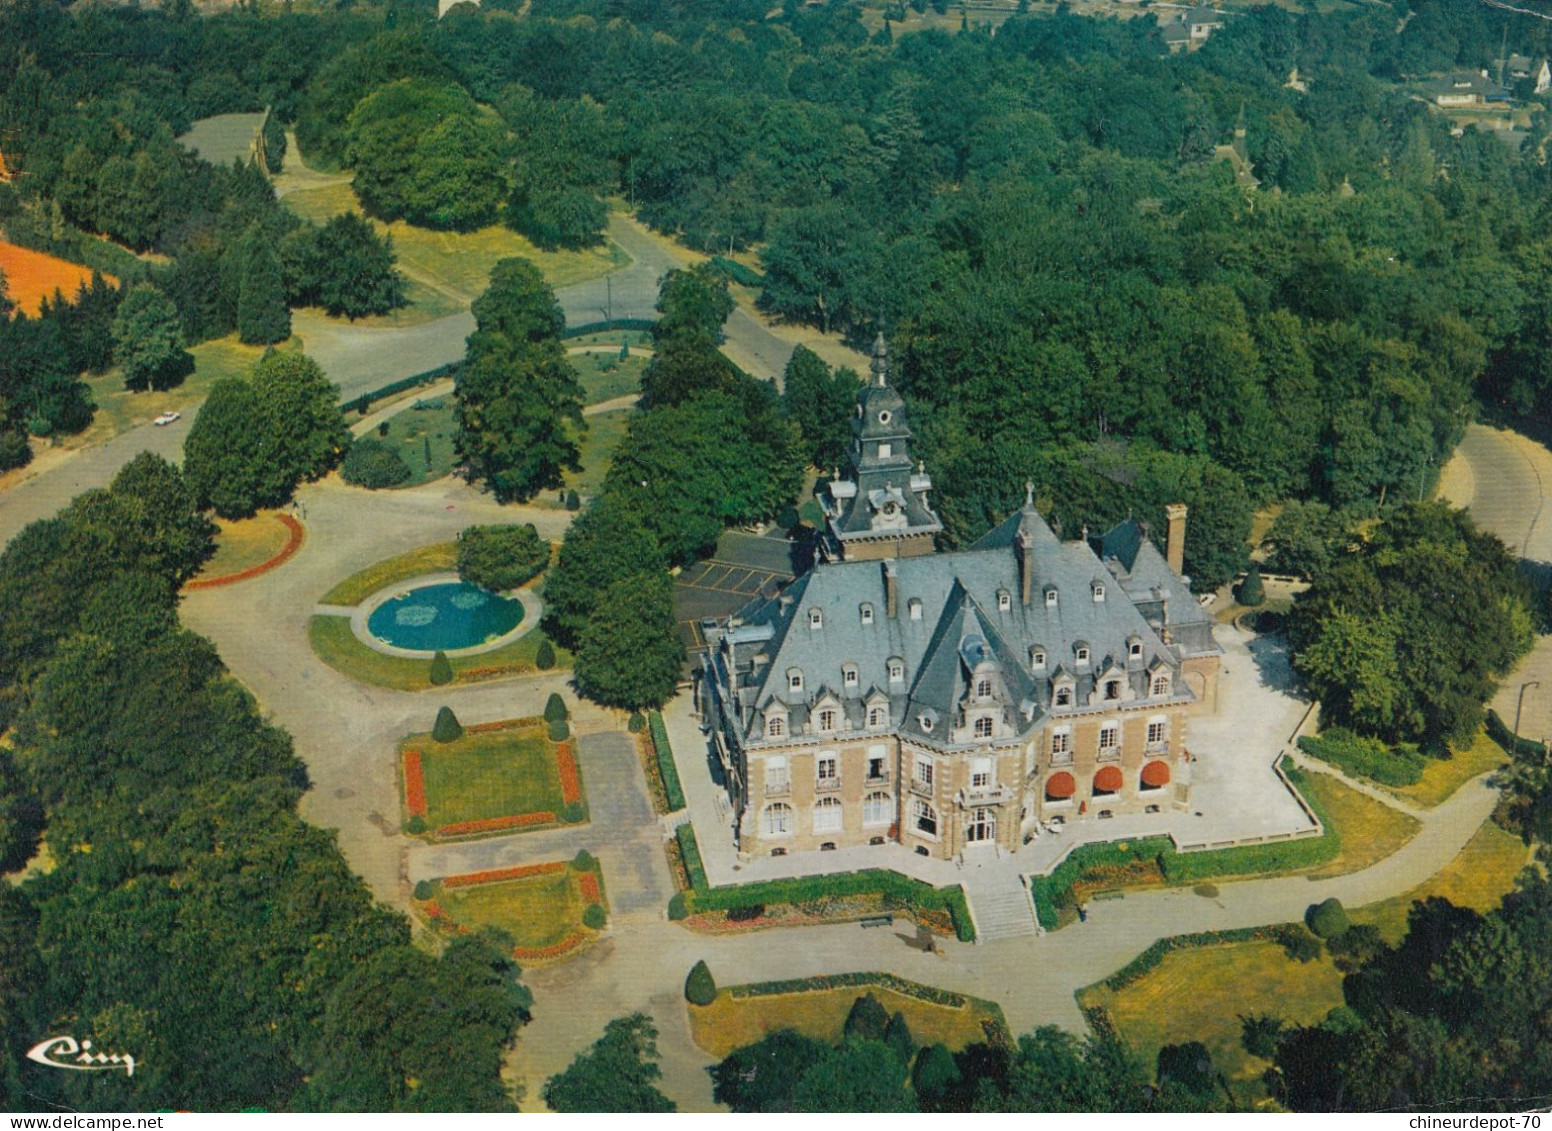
x,y
663,752
590,877
295,536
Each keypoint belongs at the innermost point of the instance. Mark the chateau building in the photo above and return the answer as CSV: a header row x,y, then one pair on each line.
x,y
894,693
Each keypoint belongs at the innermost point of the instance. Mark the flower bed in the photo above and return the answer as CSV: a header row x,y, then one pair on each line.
x,y
294,537
414,784
847,981
555,950
589,884
497,875
570,779
504,724
496,824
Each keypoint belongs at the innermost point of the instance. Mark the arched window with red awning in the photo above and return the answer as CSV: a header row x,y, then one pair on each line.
x,y
1155,775
1108,780
1060,787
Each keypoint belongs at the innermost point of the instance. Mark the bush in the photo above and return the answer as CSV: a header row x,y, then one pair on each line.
x,y
1355,947
678,907
447,728
1327,919
1188,1065
382,428
1259,1034
1361,757
560,730
583,861
499,558
673,791
1251,591
574,813
637,724
594,918
544,658
373,464
700,988
555,708
573,501
690,851
14,450
897,1035
746,914
415,825
867,1020
441,670
424,890
1300,945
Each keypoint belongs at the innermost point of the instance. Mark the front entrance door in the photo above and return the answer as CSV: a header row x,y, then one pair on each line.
x,y
983,826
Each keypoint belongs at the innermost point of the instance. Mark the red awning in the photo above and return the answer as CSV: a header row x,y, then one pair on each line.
x,y
1108,780
1155,774
1059,787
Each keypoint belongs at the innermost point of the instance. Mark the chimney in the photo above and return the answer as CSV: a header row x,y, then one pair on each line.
x,y
1175,542
891,588
1026,564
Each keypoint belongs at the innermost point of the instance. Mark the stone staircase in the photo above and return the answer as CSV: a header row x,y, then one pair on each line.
x,y
1002,911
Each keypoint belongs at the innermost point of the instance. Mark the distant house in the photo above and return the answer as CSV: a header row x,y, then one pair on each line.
x,y
1517,68
1464,89
1186,29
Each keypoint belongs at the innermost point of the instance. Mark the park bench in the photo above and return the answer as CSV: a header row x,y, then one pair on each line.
x,y
878,921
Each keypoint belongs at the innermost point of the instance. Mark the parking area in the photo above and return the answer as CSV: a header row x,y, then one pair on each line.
x,y
743,567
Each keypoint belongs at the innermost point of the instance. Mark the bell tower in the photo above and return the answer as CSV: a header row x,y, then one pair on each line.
x,y
879,508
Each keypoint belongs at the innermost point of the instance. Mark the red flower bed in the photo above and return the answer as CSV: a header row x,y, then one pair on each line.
x,y
496,824
589,884
434,910
414,784
293,544
552,951
501,724
496,875
570,781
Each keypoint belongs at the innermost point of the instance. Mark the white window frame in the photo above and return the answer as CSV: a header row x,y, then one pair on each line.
x,y
1004,600
896,671
1037,659
866,613
922,809
827,719
923,771
982,727
1099,594
878,718
982,773
1061,740
1160,684
1081,657
827,767
878,810
1050,598
1114,731
776,727
834,815
795,680
773,817
915,607
815,618
849,675
1158,732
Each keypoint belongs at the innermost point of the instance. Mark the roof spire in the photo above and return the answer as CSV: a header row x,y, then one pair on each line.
x,y
880,364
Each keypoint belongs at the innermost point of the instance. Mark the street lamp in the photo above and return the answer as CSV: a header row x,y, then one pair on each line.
x,y
1518,707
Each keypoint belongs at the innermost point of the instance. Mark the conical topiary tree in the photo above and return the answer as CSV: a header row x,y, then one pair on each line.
x,y
555,708
544,658
559,730
447,728
441,669
700,988
1251,591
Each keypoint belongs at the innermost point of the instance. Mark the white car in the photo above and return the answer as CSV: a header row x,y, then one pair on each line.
x,y
167,418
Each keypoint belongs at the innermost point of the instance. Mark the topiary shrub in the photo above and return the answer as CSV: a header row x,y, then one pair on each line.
x,y
560,730
544,658
637,724
501,557
447,728
573,501
415,825
583,861
700,988
574,814
373,464
678,907
1327,919
382,428
555,708
1251,591
867,1020
441,670
593,918
424,890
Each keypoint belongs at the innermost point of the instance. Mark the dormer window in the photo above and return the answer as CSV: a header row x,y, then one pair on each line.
x,y
885,451
885,416
815,618
983,688
1064,697
1099,592
827,719
867,614
1050,597
896,671
775,728
1112,689
1160,684
983,728
916,608
848,675
1037,658
794,680
1134,650
926,723
1082,656
877,717
1004,600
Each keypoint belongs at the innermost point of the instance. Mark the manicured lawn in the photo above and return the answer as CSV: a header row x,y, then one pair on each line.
x,y
729,1023
459,263
1443,776
435,558
605,430
604,376
1199,995
223,138
245,543
612,338
1478,878
537,911
1369,830
426,426
337,646
479,776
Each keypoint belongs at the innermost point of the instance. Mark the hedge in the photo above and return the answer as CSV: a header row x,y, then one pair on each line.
x,y
665,762
1361,757
739,273
1182,868
899,985
806,889
1499,733
429,376
603,327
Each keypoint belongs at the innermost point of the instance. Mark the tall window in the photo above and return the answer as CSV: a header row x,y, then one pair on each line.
x,y
925,817
827,719
981,773
828,815
1158,732
775,728
983,728
924,771
876,717
777,819
1061,741
825,769
983,688
878,809
776,773
1161,684
1112,689
875,768
1109,737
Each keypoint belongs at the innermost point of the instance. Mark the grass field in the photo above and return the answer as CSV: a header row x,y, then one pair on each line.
x,y
1369,830
537,911
32,276
1442,777
244,543
605,430
438,557
426,426
639,338
223,138
497,774
604,376
729,1023
336,645
458,263
1478,878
